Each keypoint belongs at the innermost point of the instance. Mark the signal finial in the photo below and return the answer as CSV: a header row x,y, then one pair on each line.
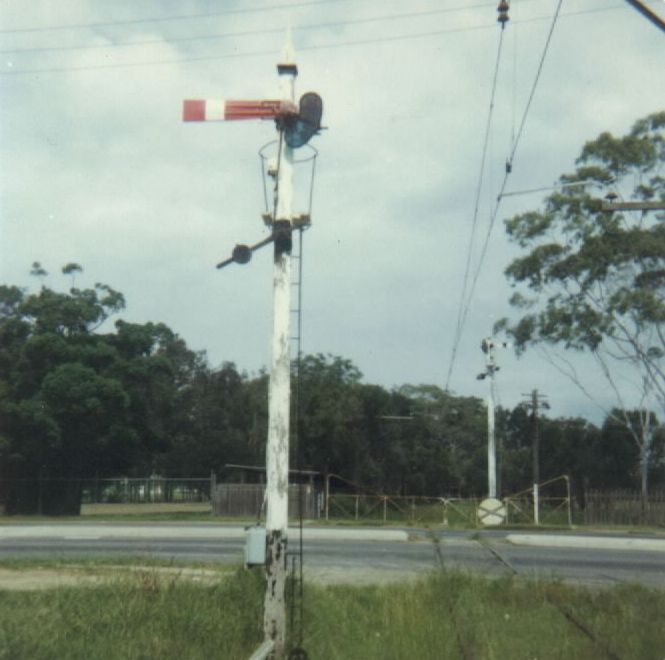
x,y
287,63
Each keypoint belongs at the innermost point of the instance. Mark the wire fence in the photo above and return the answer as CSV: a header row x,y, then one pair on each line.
x,y
624,507
402,509
548,503
146,490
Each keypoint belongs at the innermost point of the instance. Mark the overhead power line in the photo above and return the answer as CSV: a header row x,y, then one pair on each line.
x,y
249,10
265,52
465,310
529,191
474,221
165,19
249,33
512,156
533,88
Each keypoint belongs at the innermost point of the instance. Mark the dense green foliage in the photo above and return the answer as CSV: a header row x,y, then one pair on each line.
x,y
80,399
592,278
596,277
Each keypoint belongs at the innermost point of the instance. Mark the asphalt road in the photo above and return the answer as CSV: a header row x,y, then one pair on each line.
x,y
361,555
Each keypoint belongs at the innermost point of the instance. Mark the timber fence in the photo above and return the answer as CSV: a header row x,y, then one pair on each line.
x,y
242,500
624,507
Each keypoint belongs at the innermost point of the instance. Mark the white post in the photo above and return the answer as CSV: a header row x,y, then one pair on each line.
x,y
569,507
277,449
491,436
491,443
536,460
327,501
488,346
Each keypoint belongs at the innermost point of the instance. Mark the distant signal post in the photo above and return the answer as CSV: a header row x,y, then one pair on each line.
x,y
488,347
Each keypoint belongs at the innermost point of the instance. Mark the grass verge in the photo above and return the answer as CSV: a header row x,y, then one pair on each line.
x,y
136,616
444,615
456,615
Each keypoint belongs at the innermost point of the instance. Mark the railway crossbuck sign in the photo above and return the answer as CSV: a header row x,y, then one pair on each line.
x,y
491,512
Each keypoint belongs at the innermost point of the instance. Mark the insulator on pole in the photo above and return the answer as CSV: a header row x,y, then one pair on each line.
x,y
503,13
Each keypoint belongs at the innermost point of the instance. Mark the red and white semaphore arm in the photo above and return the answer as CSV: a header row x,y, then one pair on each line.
x,y
219,110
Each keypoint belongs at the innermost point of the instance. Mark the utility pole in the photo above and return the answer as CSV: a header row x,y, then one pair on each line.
x,y
536,437
491,432
536,460
535,404
488,346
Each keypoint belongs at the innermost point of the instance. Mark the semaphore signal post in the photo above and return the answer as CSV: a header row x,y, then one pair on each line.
x,y
296,124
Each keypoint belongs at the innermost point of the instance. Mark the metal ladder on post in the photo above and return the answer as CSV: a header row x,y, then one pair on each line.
x,y
295,555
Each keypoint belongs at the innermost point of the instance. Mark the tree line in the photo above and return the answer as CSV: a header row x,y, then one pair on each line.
x,y
78,400
82,399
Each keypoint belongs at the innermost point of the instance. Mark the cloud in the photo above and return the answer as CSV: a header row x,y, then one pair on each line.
x,y
99,169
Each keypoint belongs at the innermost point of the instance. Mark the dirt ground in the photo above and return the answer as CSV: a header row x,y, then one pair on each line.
x,y
33,579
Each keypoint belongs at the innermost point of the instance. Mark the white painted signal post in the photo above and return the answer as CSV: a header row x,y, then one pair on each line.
x,y
296,124
279,389
488,347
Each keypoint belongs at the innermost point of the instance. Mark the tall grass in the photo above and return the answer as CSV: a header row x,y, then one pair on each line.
x,y
141,616
444,615
456,615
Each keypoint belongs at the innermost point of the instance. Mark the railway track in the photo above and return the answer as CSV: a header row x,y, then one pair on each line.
x,y
604,649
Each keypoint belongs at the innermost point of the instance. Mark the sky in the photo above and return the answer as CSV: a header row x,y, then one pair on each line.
x,y
97,167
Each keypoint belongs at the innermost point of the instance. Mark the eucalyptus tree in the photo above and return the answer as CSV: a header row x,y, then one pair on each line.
x,y
72,269
592,274
38,270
